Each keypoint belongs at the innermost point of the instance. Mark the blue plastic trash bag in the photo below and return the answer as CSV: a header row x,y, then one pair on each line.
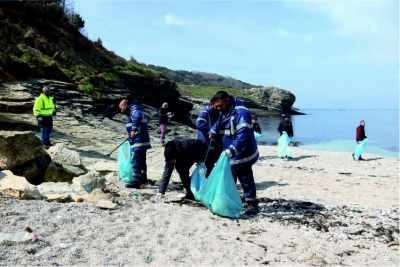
x,y
257,135
125,162
283,145
198,179
219,192
360,148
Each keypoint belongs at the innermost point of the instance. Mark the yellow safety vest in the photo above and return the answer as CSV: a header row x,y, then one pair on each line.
x,y
44,105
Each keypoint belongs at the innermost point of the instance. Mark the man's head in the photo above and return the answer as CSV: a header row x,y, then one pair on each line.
x,y
123,105
362,123
212,104
171,153
46,90
165,105
287,117
254,119
222,101
113,106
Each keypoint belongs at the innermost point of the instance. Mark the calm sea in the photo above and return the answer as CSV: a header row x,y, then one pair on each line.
x,y
335,129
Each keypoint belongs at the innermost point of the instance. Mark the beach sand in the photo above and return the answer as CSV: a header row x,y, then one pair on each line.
x,y
319,208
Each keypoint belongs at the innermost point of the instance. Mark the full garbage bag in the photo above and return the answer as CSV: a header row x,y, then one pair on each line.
x,y
219,192
360,148
283,145
125,162
198,179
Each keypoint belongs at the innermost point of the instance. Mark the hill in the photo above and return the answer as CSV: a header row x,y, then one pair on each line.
x,y
198,78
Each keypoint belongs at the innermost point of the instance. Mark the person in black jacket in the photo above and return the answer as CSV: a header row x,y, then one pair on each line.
x,y
163,121
256,126
111,111
360,136
181,154
286,125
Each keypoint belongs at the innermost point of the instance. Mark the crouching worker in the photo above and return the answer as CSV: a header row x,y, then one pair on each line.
x,y
181,154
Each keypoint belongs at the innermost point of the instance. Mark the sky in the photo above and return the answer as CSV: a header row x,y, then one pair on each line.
x,y
329,54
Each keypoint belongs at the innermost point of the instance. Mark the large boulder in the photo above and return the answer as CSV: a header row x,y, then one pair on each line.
x,y
65,166
23,154
88,182
17,186
273,98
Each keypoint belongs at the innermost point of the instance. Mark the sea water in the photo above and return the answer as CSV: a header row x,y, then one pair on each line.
x,y
335,129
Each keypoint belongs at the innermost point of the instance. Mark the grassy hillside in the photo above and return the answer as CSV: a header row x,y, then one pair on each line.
x,y
202,78
208,91
38,39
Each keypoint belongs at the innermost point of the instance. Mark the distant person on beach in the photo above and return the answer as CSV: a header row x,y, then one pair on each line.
x,y
44,110
111,111
286,125
181,154
138,137
239,144
207,117
256,126
163,115
360,135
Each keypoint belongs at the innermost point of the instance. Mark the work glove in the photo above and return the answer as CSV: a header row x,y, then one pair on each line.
x,y
228,153
158,197
39,118
54,113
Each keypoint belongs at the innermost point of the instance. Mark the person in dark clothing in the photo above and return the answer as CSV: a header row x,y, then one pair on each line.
x,y
286,125
181,154
111,111
206,119
163,115
360,135
256,126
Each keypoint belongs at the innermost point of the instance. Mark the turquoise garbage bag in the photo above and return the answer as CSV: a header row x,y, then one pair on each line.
x,y
219,193
198,179
283,145
125,162
257,135
360,148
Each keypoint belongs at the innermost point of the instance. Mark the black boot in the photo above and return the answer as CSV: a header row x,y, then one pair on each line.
x,y
133,185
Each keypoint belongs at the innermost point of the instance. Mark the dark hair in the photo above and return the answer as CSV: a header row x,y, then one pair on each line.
x,y
220,95
170,152
254,118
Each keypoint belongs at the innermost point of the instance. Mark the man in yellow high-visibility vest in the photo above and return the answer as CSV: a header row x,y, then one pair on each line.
x,y
44,110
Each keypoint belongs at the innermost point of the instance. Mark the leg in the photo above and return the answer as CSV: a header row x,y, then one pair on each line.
x,y
49,130
163,128
43,135
245,175
144,167
136,166
210,161
183,172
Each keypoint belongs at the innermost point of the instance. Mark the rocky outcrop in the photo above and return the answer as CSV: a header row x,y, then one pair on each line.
x,y
17,186
273,98
23,154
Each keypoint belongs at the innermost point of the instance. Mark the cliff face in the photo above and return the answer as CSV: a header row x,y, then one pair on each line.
x,y
274,99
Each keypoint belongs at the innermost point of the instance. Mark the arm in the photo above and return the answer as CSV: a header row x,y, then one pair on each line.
x,y
136,118
162,113
37,107
202,123
280,127
243,133
165,177
358,137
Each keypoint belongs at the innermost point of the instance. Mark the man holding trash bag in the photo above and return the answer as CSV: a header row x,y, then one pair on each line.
x,y
136,126
181,154
207,117
360,136
239,143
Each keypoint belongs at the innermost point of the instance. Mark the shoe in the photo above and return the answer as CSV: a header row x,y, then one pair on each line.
x,y
49,144
133,185
190,196
360,158
251,210
144,182
46,147
289,157
352,155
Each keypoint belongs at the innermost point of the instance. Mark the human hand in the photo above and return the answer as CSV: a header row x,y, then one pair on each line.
x,y
39,118
228,153
133,134
169,113
54,113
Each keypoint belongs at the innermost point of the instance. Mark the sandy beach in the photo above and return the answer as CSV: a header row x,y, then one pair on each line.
x,y
319,208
